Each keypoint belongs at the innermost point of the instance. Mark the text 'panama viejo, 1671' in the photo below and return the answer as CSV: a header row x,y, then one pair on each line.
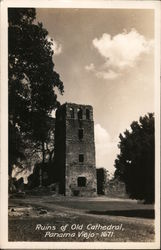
x,y
79,230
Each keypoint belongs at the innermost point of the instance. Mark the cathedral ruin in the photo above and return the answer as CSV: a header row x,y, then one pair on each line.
x,y
75,150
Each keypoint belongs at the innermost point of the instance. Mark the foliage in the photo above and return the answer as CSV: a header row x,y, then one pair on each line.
x,y
135,163
32,82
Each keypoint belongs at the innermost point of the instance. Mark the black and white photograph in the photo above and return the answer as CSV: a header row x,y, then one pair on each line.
x,y
80,125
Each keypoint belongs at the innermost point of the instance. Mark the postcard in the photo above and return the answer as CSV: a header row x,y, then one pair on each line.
x,y
80,124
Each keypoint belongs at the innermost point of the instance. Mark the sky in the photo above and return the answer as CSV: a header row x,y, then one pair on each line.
x,y
105,58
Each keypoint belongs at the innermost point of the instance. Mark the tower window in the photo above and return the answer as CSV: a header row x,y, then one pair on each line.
x,y
81,181
79,112
87,114
80,133
81,158
71,112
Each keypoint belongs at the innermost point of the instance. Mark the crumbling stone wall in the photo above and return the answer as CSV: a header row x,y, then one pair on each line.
x,y
75,150
109,187
115,188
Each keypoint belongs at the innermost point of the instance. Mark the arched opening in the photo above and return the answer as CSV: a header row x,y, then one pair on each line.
x,y
80,133
71,112
79,112
87,114
81,181
81,157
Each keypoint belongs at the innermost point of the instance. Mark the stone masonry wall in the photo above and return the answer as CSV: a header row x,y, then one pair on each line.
x,y
76,168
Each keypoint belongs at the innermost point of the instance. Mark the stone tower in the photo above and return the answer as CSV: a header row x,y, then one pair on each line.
x,y
75,150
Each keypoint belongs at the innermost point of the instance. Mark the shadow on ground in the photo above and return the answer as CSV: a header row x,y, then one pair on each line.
x,y
141,213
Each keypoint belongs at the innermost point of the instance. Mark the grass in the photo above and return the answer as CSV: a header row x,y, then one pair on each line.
x,y
117,208
82,213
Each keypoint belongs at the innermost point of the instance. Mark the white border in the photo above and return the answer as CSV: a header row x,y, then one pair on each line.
x,y
4,123
83,4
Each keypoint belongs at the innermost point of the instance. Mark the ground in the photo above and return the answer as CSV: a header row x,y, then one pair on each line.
x,y
52,218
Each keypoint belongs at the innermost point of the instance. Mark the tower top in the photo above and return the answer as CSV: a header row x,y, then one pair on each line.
x,y
75,111
70,104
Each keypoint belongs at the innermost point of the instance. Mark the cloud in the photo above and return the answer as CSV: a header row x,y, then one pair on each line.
x,y
120,52
56,46
110,74
106,149
90,67
124,49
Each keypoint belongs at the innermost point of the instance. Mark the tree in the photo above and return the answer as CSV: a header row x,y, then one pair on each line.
x,y
135,165
32,82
